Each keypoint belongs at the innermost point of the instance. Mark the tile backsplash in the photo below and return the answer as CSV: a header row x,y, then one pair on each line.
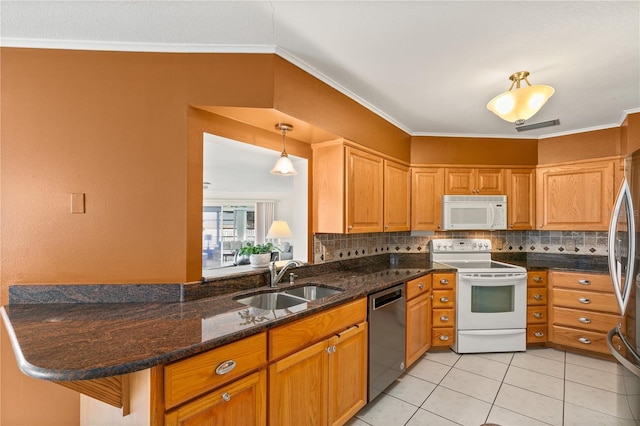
x,y
334,247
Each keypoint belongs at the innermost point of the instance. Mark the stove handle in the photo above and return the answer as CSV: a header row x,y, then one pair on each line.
x,y
489,280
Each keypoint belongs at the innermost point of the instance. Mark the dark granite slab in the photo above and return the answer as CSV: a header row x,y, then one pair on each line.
x,y
576,263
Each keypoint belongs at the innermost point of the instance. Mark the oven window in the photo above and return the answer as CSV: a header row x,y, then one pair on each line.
x,y
492,299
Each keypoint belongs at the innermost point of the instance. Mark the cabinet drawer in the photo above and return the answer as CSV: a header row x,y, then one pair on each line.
x,y
444,281
537,333
198,374
580,281
444,299
443,317
536,314
593,321
536,296
418,286
296,335
588,340
585,300
537,279
442,336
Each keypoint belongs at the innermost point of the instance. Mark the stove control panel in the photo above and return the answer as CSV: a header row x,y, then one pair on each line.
x,y
456,245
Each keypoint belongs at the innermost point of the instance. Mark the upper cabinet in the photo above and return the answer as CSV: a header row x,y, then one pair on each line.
x,y
576,196
427,188
474,181
357,191
520,198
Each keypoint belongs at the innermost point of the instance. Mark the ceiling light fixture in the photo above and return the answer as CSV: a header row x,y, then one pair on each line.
x,y
521,103
284,166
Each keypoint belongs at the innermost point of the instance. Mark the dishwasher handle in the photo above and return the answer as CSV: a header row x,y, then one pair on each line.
x,y
385,298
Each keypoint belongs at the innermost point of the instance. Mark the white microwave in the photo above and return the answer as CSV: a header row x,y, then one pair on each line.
x,y
474,212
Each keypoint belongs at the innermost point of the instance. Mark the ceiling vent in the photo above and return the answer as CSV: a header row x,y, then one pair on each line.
x,y
539,125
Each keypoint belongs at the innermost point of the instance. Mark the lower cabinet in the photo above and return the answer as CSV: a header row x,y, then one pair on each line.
x,y
537,307
444,310
323,384
418,318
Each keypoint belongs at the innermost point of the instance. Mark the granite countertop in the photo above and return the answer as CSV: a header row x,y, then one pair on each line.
x,y
80,341
60,339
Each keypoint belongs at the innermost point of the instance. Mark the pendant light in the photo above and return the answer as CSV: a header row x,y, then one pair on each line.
x,y
521,103
284,166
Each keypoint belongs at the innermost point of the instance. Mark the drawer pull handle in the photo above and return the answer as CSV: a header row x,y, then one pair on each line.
x,y
444,299
584,340
225,367
584,300
226,396
444,338
444,281
538,314
538,334
421,286
537,279
538,296
584,320
444,318
584,282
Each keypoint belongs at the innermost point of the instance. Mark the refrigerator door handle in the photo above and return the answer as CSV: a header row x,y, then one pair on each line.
x,y
622,289
633,367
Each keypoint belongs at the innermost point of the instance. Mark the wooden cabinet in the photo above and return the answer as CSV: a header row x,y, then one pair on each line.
x,y
576,196
427,188
584,310
397,197
358,191
418,318
537,307
320,371
474,181
520,198
217,384
443,313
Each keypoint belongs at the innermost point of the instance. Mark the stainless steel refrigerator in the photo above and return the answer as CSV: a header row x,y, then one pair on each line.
x,y
624,267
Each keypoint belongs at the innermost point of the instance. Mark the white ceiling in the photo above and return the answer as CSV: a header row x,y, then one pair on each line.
x,y
430,67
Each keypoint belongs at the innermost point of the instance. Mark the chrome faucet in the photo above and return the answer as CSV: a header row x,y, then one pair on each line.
x,y
276,276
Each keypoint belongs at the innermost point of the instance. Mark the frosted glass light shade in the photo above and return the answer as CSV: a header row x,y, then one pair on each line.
x,y
279,229
284,166
520,104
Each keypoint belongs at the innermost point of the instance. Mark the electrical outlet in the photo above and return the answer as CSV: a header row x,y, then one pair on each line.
x,y
499,243
570,245
326,254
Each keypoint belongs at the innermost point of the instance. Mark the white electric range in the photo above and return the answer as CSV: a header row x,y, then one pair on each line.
x,y
491,297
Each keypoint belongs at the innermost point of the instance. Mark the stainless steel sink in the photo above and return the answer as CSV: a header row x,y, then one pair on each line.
x,y
313,292
271,301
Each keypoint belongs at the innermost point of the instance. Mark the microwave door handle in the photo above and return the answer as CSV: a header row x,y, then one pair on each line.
x,y
493,215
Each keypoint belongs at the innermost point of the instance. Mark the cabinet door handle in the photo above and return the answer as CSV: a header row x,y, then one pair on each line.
x,y
584,300
444,318
421,286
584,320
444,299
444,281
538,296
225,367
226,396
584,340
537,279
538,334
584,282
444,338
538,314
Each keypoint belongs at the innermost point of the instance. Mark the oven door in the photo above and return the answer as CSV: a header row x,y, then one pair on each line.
x,y
491,301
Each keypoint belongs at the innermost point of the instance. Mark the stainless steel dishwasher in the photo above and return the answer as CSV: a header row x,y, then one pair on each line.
x,y
386,338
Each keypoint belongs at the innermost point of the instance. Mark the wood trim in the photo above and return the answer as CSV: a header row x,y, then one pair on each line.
x,y
580,162
114,390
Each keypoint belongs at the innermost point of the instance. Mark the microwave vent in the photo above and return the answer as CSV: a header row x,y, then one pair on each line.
x,y
496,198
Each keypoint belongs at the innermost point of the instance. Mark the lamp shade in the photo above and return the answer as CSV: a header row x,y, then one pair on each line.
x,y
284,166
279,229
522,103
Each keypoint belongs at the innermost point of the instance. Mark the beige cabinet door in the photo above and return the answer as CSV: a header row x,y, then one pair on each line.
x,y
397,198
427,188
418,319
243,402
298,387
576,196
364,187
347,374
521,198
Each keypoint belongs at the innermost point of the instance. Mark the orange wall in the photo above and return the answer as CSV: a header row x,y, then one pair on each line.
x,y
580,146
458,150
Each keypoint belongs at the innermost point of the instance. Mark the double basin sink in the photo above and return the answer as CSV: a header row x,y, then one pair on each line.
x,y
287,297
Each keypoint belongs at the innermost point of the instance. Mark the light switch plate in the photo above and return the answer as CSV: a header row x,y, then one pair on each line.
x,y
77,202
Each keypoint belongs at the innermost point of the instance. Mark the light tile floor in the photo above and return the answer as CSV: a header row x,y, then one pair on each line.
x,y
537,387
